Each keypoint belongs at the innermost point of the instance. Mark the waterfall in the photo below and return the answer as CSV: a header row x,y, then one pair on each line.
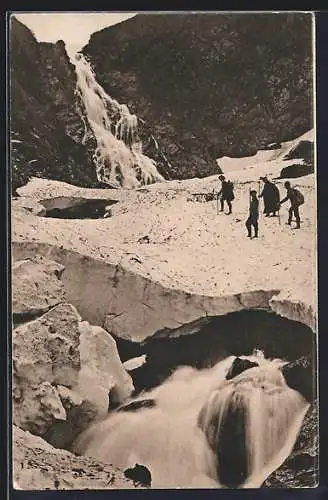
x,y
252,422
205,431
118,158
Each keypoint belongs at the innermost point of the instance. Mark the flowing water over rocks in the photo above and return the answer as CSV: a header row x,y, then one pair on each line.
x,y
149,332
248,427
118,158
191,322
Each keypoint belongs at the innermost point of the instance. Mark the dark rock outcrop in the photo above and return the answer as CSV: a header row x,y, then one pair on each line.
x,y
50,135
138,405
202,87
301,469
204,343
296,170
139,474
303,150
233,470
46,125
210,85
299,375
238,366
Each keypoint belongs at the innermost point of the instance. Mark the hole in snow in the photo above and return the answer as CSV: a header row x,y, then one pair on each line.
x,y
212,339
66,207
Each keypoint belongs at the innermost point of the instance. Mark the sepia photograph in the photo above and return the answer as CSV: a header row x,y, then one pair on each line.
x,y
164,250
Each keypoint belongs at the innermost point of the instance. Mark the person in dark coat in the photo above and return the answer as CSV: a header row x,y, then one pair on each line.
x,y
296,199
271,197
226,193
253,215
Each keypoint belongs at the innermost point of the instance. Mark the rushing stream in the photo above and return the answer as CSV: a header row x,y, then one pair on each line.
x,y
203,431
199,428
118,158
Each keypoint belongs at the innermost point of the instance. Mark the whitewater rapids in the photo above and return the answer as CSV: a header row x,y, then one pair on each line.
x,y
191,437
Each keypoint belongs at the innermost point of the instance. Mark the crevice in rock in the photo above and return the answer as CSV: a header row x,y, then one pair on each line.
x,y
66,207
26,317
21,318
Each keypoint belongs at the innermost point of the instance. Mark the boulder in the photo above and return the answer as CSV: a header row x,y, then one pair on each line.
x,y
303,149
36,287
296,170
65,374
45,354
139,474
253,408
102,379
39,466
135,363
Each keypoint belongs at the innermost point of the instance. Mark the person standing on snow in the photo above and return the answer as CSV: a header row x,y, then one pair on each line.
x,y
226,193
271,197
253,215
296,200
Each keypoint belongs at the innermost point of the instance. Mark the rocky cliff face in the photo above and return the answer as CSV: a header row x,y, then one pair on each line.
x,y
46,128
210,85
202,87
50,135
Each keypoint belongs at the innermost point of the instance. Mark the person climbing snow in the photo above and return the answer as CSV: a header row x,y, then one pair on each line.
x,y
226,193
271,197
253,215
296,200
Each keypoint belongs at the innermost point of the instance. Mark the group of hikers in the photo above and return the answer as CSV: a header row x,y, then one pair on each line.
x,y
271,198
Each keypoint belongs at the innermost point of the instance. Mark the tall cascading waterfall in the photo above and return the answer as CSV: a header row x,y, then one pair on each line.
x,y
203,431
118,158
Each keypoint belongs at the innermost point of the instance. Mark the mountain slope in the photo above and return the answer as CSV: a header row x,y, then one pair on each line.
x,y
48,117
46,129
210,85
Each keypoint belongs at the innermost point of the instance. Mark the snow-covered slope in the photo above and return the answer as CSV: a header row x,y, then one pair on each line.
x,y
171,253
266,161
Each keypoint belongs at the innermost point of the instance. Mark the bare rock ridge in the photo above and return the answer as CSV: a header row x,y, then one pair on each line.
x,y
210,85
